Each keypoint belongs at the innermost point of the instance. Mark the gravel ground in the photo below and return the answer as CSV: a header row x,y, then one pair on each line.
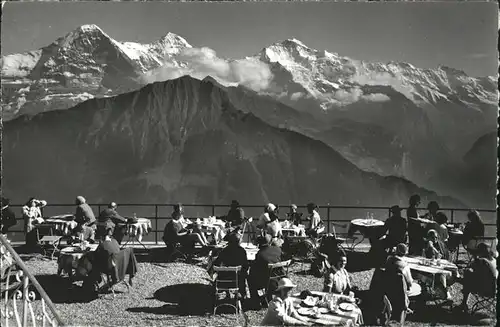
x,y
166,294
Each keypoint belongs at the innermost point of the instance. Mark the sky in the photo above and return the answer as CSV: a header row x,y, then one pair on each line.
x,y
462,35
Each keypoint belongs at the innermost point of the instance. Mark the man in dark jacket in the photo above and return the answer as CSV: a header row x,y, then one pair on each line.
x,y
110,216
234,255
396,227
259,271
236,215
85,218
8,216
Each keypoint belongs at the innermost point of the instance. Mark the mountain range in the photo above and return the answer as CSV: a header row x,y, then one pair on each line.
x,y
391,119
182,139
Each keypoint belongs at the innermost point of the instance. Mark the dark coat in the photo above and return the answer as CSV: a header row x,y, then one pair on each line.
x,y
84,215
259,272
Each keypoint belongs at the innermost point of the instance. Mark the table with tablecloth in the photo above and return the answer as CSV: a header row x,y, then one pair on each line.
x,y
372,229
139,229
251,250
427,271
213,226
69,256
289,229
63,223
337,318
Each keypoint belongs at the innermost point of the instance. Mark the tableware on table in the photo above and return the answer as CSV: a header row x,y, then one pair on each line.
x,y
438,262
310,301
311,312
323,310
346,306
351,296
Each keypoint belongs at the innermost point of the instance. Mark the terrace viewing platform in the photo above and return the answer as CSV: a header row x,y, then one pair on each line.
x,y
159,215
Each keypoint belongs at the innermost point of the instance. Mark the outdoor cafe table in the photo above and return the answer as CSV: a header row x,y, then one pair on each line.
x,y
421,271
69,256
214,226
339,317
368,228
137,230
292,230
63,223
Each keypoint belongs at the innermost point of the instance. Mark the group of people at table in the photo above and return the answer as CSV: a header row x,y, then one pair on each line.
x,y
422,235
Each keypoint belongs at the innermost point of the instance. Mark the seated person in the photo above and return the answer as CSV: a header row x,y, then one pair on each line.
x,y
281,311
103,256
259,271
473,228
274,227
265,218
85,218
434,247
396,227
175,232
315,224
441,228
336,277
397,264
234,255
481,276
110,215
8,218
194,228
32,216
294,216
432,210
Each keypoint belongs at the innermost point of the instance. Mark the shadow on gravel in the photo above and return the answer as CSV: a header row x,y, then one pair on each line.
x,y
182,300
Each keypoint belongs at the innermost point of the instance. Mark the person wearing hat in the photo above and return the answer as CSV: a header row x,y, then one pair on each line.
x,y
396,264
281,311
32,216
395,228
259,272
110,216
234,255
8,218
85,218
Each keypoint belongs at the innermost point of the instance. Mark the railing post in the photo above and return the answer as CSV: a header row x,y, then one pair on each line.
x,y
25,299
328,218
98,209
156,224
452,216
213,210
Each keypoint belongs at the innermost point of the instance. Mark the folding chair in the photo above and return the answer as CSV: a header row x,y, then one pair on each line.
x,y
112,278
48,242
302,249
276,272
483,301
175,250
228,286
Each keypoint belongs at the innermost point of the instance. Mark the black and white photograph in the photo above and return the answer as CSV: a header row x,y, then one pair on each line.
x,y
249,163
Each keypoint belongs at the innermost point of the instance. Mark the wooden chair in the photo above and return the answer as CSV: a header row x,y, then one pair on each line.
x,y
276,272
227,286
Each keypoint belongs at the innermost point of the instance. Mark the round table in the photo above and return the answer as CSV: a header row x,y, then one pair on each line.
x,y
69,256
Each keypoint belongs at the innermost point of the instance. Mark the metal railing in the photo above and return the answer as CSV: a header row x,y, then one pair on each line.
x,y
19,291
159,214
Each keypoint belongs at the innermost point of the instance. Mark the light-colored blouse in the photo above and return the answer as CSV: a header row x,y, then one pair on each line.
x,y
337,280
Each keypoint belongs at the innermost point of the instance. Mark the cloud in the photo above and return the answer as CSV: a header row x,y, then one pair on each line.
x,y
295,96
376,97
203,62
374,78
